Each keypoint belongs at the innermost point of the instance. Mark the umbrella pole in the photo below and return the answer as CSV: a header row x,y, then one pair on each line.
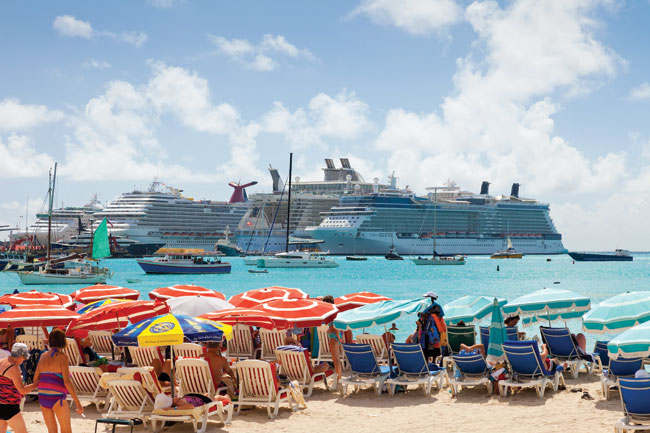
x,y
173,384
548,315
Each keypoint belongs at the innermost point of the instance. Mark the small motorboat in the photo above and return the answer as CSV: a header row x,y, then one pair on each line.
x,y
258,271
392,254
356,258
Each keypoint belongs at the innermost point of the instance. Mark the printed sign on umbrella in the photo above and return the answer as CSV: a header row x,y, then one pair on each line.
x,y
94,305
164,293
104,291
37,298
246,316
253,298
37,316
356,300
300,313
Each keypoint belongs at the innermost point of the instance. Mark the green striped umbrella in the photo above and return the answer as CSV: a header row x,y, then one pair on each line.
x,y
469,309
497,334
618,313
549,304
633,343
379,313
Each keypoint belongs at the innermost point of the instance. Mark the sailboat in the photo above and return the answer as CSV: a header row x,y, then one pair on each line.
x,y
437,259
295,259
509,253
74,269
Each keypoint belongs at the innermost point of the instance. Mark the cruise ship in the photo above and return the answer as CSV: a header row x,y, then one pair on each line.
x,y
465,223
310,200
161,214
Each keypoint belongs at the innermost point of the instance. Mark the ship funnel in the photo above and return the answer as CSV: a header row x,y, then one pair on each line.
x,y
278,185
239,194
514,192
485,187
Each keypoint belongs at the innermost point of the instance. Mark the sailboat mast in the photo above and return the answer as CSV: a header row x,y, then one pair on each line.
x,y
435,219
50,192
286,248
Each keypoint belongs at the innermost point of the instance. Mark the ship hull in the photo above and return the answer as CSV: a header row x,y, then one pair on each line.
x,y
592,257
438,262
151,267
33,278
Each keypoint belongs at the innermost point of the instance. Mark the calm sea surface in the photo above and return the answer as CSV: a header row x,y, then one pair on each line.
x,y
401,279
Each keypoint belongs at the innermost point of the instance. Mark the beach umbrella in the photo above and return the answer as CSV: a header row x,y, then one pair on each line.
x,y
37,315
117,315
497,334
196,305
98,292
633,343
618,313
356,300
246,316
300,313
469,309
255,297
549,304
37,298
96,304
379,313
164,293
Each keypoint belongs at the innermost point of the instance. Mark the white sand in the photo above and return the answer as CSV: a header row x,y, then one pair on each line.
x,y
472,411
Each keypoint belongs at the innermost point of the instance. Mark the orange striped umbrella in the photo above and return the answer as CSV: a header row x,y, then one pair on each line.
x,y
37,298
246,316
253,298
37,315
163,293
301,313
359,299
104,291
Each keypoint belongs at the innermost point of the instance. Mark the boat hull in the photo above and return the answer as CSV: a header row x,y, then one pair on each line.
x,y
151,267
438,262
273,262
32,278
506,256
592,257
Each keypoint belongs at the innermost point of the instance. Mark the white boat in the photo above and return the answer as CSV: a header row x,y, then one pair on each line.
x,y
440,260
78,272
296,259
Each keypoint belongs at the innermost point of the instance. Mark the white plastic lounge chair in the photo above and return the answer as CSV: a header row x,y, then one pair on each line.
x,y
130,400
197,416
258,386
364,368
148,378
72,351
102,343
194,376
413,369
472,371
271,339
635,398
32,341
618,368
378,346
241,345
144,356
86,383
295,362
527,369
188,350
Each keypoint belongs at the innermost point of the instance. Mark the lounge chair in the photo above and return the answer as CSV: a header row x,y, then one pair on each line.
x,y
147,377
130,400
197,416
527,369
472,370
188,350
295,362
635,398
271,339
195,377
102,343
512,333
561,346
364,368
458,335
618,368
413,369
241,345
258,386
144,356
72,351
32,341
86,384
377,344
601,357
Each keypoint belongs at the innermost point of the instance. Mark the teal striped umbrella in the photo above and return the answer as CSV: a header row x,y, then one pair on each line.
x,y
618,313
549,304
497,334
633,343
469,309
379,313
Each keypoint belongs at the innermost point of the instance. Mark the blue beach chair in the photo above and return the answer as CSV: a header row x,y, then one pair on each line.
x,y
601,357
561,346
527,369
472,371
512,333
364,367
413,369
635,397
619,368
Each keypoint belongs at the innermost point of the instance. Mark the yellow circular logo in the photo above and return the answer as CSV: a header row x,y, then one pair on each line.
x,y
162,327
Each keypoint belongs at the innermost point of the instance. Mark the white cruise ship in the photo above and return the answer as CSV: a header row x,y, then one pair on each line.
x,y
310,200
162,214
465,223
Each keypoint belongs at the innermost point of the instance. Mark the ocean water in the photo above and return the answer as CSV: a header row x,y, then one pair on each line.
x,y
402,280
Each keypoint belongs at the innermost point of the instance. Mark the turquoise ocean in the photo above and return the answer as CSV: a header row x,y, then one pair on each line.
x,y
401,280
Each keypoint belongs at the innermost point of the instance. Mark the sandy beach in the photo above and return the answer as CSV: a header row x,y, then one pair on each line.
x,y
472,411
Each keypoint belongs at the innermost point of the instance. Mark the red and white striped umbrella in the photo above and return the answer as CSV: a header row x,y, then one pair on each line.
x,y
37,315
355,300
37,298
104,291
246,316
117,315
300,313
163,293
253,298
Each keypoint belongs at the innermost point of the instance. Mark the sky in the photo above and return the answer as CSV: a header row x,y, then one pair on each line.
x,y
552,94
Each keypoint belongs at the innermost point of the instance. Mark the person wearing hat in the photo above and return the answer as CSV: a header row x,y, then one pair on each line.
x,y
389,337
12,389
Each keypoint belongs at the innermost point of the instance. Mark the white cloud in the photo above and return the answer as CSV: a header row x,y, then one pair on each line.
x,y
166,4
67,25
640,93
15,116
259,57
417,17
19,159
96,64
137,39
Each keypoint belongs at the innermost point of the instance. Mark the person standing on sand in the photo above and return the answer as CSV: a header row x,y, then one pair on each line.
x,y
53,378
334,342
12,389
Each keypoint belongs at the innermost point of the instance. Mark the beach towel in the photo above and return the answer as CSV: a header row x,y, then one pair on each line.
x,y
296,393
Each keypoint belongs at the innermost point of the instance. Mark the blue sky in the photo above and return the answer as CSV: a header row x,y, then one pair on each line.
x,y
554,95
